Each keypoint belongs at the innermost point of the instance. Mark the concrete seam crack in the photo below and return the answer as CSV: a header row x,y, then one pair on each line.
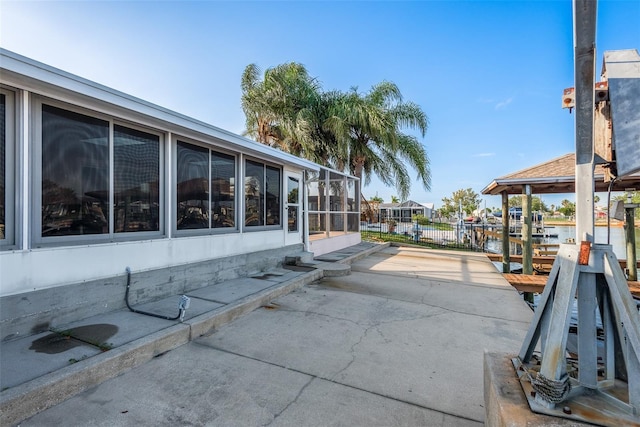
x,y
440,307
288,310
353,349
295,399
313,376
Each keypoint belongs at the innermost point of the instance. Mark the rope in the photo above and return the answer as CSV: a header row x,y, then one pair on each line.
x,y
551,390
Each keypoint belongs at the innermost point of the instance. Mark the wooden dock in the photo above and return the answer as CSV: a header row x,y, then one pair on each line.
x,y
543,259
536,283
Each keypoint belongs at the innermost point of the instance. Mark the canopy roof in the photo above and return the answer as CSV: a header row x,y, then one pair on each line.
x,y
555,176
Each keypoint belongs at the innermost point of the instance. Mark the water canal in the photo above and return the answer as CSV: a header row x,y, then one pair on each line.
x,y
565,232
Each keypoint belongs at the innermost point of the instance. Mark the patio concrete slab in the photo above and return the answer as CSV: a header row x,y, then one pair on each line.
x,y
231,391
417,353
121,327
38,355
399,342
231,290
278,275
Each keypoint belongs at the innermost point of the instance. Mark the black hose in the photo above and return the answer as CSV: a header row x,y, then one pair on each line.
x,y
126,300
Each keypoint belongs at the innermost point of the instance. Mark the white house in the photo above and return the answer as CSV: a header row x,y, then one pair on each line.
x,y
403,212
93,181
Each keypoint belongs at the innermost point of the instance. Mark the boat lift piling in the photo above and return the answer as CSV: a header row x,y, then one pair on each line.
x,y
602,390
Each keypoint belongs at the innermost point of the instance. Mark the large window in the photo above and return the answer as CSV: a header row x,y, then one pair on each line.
x,y
223,190
7,168
83,191
3,166
293,203
263,189
75,173
136,181
205,188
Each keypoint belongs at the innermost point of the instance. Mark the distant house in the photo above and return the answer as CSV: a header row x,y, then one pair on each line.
x,y
403,212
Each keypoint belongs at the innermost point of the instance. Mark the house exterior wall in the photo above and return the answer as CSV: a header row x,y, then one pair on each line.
x,y
36,269
54,270
71,242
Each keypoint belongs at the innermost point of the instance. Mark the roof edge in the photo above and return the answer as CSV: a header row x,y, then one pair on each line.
x,y
38,71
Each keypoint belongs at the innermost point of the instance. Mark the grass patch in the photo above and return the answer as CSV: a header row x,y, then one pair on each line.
x,y
376,236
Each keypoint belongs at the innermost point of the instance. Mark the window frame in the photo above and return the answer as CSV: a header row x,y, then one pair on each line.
x,y
11,213
265,165
111,236
161,181
177,139
335,217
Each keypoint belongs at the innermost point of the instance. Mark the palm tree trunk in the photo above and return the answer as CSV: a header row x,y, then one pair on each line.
x,y
357,168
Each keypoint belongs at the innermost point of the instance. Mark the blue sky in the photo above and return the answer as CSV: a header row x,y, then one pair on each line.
x,y
489,74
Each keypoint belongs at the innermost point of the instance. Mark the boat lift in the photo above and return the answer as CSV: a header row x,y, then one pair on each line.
x,y
601,385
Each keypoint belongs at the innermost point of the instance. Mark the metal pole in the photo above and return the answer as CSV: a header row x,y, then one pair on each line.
x,y
506,255
584,50
629,228
527,248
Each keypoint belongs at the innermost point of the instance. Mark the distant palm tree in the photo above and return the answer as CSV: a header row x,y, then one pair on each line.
x,y
394,199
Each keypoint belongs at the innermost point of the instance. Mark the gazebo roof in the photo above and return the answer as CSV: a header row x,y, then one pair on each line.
x,y
555,176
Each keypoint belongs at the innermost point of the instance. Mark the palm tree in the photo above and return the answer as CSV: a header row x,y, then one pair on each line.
x,y
394,199
282,109
371,126
348,131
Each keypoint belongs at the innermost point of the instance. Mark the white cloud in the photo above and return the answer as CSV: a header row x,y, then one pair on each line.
x,y
500,105
484,155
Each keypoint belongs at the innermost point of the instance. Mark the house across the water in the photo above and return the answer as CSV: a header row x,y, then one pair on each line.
x,y
405,211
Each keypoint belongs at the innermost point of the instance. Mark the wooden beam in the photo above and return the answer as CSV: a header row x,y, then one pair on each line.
x,y
536,283
545,260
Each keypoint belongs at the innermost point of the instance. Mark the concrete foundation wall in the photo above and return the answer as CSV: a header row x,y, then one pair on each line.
x,y
324,246
39,268
32,312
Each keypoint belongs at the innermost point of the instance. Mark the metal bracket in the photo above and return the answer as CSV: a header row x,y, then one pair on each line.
x,y
604,374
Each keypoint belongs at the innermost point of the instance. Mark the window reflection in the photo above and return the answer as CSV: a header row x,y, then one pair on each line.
x,y
293,199
262,190
293,186
223,175
136,180
254,193
3,170
273,196
75,173
193,186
